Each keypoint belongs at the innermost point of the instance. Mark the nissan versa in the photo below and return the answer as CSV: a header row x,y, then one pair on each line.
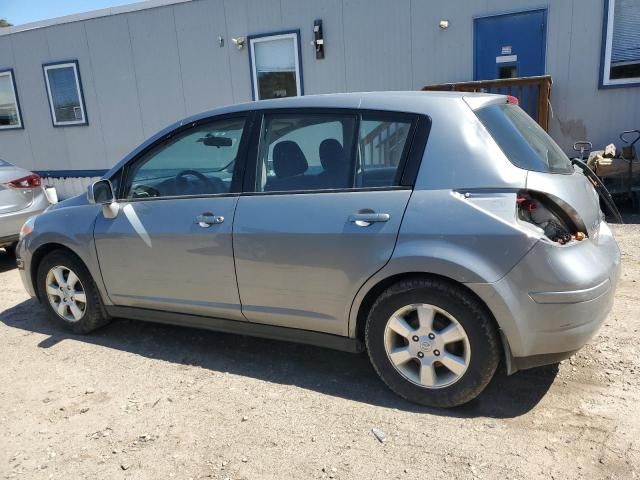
x,y
441,232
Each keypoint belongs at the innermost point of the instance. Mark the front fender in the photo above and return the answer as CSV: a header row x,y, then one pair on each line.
x,y
70,227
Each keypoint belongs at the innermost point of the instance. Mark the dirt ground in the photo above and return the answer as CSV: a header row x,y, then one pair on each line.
x,y
144,401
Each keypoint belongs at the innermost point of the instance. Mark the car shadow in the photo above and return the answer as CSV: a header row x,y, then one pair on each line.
x,y
326,371
7,262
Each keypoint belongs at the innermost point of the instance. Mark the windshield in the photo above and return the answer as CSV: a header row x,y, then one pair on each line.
x,y
4,164
522,140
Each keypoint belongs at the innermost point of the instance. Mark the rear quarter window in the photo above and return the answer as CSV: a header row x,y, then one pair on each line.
x,y
522,140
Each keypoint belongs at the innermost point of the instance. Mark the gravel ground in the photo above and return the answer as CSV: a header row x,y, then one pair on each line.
x,y
146,401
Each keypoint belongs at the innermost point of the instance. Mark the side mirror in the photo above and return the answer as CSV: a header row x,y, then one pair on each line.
x,y
101,192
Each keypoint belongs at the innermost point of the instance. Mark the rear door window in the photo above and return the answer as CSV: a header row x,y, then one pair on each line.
x,y
382,147
522,140
329,151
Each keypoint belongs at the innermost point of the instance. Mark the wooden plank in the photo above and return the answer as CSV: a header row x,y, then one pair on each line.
x,y
512,86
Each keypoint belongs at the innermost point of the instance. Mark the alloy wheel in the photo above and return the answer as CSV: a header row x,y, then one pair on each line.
x,y
427,345
66,294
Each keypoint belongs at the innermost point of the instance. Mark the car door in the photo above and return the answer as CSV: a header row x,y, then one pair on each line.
x,y
324,216
170,245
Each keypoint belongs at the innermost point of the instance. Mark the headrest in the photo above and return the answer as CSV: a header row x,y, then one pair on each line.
x,y
332,156
288,159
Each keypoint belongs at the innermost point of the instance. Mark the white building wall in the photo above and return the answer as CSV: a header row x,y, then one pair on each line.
x,y
145,68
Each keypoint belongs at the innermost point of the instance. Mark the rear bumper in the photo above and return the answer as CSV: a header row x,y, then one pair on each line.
x,y
555,300
11,223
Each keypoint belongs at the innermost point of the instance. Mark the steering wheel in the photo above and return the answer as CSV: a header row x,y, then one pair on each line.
x,y
202,179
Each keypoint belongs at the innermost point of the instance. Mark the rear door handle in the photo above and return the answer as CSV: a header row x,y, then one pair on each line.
x,y
366,219
207,219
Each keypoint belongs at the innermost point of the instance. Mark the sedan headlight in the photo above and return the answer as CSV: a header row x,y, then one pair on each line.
x,y
27,228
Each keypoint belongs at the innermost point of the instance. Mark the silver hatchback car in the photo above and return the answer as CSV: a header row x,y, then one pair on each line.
x,y
441,232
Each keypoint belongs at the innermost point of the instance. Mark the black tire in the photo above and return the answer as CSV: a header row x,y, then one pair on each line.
x,y
95,315
11,249
469,312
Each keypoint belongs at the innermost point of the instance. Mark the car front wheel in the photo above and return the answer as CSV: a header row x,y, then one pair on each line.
x,y
68,293
432,342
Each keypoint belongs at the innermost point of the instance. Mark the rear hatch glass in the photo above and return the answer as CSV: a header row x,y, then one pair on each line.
x,y
528,146
522,140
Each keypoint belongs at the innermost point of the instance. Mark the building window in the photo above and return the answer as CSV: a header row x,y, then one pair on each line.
x,y
275,65
65,94
621,43
10,116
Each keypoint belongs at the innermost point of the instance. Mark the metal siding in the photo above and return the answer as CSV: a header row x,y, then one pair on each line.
x,y
14,144
48,144
326,75
85,143
157,68
114,82
441,56
595,115
377,37
237,26
204,65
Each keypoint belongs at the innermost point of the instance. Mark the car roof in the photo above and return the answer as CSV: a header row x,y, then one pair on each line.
x,y
405,101
434,104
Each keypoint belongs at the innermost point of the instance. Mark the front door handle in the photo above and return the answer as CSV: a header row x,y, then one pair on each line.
x,y
366,219
207,219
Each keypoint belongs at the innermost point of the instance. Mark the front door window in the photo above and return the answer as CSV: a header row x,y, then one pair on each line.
x,y
197,161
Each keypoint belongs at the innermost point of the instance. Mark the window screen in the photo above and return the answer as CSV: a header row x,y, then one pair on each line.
x,y
276,70
65,94
622,42
9,110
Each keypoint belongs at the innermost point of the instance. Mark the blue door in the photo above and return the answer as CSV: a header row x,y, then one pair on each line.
x,y
507,46
510,46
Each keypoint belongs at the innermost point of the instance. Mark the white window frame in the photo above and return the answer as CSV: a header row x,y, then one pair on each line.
x,y
55,66
295,35
9,73
605,67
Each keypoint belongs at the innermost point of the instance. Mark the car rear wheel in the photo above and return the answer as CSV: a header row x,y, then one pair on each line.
x,y
69,294
432,342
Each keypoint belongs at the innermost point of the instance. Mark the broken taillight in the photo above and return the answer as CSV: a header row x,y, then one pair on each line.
x,y
30,181
540,210
511,100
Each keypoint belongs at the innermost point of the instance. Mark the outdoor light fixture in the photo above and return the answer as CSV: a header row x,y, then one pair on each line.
x,y
220,41
444,24
239,42
318,39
